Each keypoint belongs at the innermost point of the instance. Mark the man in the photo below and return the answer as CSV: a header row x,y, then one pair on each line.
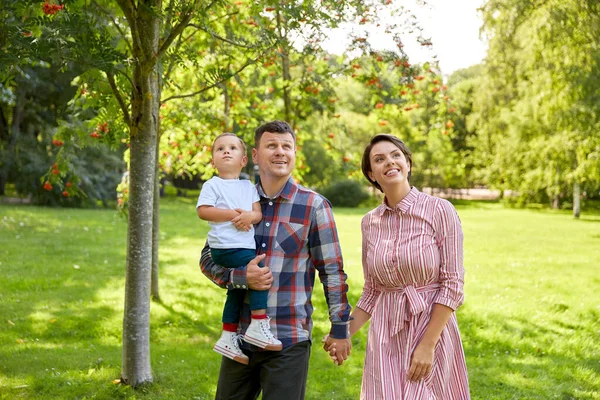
x,y
296,238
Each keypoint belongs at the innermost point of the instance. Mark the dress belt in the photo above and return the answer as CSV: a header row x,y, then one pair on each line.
x,y
402,303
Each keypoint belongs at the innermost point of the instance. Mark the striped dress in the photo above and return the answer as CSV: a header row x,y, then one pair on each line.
x,y
412,258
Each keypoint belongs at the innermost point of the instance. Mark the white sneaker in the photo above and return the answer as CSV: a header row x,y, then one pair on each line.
x,y
259,334
228,345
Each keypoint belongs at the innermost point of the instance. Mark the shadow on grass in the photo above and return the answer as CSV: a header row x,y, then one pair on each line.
x,y
516,358
62,291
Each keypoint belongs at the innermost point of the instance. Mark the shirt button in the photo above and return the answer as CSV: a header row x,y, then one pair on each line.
x,y
270,203
268,224
264,245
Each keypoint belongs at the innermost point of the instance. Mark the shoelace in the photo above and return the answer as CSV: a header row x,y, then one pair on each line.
x,y
266,328
237,340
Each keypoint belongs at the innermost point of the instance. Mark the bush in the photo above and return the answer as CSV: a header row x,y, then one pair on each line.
x,y
346,193
98,170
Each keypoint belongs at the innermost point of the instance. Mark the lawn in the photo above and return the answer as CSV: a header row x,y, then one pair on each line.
x,y
530,323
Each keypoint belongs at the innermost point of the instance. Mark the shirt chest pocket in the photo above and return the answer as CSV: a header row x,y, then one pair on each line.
x,y
290,238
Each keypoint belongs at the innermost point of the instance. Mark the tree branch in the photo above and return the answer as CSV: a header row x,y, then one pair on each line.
x,y
115,89
183,23
221,38
172,64
126,76
204,89
114,21
128,8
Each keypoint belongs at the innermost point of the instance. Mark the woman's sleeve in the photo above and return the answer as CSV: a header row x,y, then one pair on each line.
x,y
370,292
449,237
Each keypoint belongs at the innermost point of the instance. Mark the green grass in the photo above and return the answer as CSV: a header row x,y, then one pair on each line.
x,y
530,323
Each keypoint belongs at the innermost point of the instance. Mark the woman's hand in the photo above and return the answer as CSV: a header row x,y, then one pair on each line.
x,y
338,349
421,362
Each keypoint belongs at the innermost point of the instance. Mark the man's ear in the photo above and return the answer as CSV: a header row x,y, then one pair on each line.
x,y
254,155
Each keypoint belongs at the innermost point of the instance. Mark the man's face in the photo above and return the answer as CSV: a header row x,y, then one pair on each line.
x,y
275,155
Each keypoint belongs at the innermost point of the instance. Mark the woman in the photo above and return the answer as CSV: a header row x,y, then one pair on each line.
x,y
413,268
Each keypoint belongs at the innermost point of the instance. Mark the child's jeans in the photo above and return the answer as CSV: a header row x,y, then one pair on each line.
x,y
236,258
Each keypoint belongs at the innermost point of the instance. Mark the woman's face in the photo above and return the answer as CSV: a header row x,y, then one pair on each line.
x,y
388,165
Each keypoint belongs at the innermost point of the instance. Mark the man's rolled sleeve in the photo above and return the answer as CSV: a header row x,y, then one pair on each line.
x,y
219,275
237,279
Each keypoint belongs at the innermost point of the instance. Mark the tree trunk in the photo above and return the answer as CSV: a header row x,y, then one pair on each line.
x,y
9,157
287,79
556,198
4,137
154,288
227,124
285,68
144,23
576,199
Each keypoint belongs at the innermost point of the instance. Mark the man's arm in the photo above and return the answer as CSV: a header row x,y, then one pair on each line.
x,y
327,257
250,276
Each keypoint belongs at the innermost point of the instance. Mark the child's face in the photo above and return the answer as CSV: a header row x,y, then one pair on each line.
x,y
228,156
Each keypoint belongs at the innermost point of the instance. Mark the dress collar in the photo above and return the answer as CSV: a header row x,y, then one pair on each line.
x,y
404,205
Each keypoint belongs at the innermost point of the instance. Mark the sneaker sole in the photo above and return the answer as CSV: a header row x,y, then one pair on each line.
x,y
263,345
229,354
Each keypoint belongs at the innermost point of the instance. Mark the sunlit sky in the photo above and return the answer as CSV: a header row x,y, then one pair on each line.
x,y
452,25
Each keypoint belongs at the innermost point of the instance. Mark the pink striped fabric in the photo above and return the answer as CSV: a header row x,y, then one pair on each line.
x,y
412,258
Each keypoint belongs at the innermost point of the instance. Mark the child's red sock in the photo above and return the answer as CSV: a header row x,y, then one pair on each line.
x,y
230,327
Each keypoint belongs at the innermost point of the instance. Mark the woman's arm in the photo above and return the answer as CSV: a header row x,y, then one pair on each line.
x,y
422,358
359,318
449,237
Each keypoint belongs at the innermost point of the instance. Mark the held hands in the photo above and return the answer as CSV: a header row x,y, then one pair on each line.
x,y
258,278
421,362
243,221
338,349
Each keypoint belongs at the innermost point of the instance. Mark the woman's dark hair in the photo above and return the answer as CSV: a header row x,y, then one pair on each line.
x,y
366,159
273,127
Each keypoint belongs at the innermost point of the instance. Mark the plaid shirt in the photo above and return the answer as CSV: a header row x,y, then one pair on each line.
x,y
299,236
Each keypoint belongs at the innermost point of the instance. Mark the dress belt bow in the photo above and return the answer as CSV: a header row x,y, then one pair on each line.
x,y
402,303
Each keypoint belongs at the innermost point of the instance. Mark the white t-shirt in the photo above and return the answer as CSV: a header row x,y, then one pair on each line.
x,y
228,194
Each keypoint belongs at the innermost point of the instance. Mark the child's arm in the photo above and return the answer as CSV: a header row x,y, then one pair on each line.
x,y
214,214
245,219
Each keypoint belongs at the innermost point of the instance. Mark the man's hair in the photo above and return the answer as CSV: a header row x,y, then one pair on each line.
x,y
273,127
228,134
366,158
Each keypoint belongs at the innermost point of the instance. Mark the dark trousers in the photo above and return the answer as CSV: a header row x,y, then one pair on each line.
x,y
235,258
278,374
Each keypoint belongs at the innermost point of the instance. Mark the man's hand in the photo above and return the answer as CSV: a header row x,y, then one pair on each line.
x,y
243,221
258,278
338,349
